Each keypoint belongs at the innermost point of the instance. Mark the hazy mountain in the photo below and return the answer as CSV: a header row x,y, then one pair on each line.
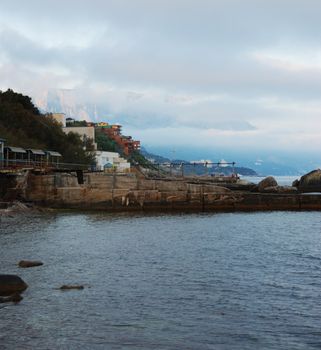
x,y
65,101
73,104
266,164
199,168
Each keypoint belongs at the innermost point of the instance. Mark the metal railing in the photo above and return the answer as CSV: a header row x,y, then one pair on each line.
x,y
175,169
16,164
183,169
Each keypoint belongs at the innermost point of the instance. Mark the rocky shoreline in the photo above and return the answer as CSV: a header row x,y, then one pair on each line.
x,y
131,192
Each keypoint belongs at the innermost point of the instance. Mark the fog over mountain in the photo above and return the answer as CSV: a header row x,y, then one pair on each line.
x,y
238,79
263,161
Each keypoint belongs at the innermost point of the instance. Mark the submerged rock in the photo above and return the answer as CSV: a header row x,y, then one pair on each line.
x,y
71,286
267,182
11,284
29,263
15,298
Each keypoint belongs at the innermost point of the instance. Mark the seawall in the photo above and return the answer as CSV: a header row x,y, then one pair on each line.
x,y
117,192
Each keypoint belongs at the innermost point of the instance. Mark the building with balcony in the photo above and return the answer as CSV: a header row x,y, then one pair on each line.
x,y
114,132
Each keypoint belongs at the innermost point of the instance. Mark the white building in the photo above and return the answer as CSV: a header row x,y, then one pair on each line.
x,y
105,160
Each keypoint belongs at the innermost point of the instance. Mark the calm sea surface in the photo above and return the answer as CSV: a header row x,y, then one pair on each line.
x,y
201,281
281,180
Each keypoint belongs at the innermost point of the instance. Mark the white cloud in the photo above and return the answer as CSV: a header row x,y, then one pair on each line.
x,y
243,74
302,59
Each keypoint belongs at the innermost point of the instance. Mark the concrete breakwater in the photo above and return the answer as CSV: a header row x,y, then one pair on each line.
x,y
120,192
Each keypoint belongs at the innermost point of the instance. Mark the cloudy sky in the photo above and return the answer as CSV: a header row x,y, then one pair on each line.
x,y
201,75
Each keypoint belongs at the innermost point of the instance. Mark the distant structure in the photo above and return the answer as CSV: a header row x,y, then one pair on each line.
x,y
105,161
223,163
126,143
70,120
85,132
111,160
60,118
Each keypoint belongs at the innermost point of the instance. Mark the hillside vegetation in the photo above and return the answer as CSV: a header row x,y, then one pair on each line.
x,y
104,143
21,124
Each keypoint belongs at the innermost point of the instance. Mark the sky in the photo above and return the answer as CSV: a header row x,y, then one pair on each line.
x,y
199,78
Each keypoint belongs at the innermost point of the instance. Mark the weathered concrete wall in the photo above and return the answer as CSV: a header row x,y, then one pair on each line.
x,y
112,191
127,192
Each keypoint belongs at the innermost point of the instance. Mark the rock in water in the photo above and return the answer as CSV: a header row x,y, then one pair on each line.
x,y
267,182
15,298
310,182
11,284
28,263
70,286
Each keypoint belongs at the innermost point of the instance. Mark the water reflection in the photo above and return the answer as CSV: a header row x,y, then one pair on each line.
x,y
200,281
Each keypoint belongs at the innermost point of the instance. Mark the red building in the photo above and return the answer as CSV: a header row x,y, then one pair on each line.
x,y
126,143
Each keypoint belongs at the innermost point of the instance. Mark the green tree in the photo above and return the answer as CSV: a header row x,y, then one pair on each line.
x,y
104,143
22,125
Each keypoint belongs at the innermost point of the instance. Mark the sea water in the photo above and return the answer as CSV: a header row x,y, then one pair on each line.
x,y
200,281
281,180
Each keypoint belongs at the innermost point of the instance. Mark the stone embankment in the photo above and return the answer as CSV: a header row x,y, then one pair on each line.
x,y
125,192
116,192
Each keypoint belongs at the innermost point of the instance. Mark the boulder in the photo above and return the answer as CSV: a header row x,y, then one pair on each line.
x,y
29,263
10,284
310,182
267,182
